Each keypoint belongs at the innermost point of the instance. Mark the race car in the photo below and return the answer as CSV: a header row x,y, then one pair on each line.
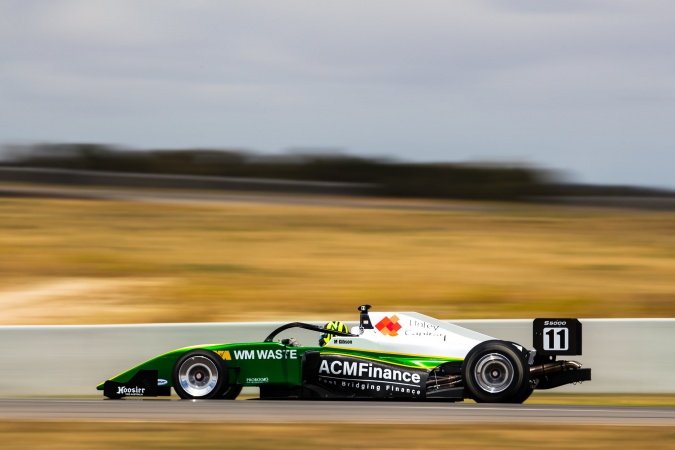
x,y
389,355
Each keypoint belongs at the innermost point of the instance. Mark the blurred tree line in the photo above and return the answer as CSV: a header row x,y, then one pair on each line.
x,y
391,178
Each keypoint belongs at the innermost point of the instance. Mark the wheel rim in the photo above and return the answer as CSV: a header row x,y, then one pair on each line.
x,y
198,376
494,373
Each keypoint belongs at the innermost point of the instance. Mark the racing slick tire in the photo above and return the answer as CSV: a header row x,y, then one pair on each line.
x,y
522,397
496,372
526,392
200,374
232,391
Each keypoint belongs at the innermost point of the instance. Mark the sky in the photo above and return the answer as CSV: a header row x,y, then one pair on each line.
x,y
586,87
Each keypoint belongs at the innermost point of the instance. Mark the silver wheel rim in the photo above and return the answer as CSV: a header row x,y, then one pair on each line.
x,y
198,376
494,373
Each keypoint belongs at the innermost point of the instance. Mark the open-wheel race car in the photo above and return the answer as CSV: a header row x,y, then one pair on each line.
x,y
389,355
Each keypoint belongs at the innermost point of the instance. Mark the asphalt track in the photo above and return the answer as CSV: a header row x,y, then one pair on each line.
x,y
277,411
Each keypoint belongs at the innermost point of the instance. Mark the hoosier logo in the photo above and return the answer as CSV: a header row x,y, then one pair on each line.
x,y
123,390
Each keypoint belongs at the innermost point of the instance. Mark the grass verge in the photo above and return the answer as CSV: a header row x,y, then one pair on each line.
x,y
50,435
78,262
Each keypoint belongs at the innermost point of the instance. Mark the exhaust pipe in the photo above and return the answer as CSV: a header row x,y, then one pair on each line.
x,y
558,366
444,382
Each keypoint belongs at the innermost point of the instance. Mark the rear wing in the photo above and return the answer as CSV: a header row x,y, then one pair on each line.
x,y
553,337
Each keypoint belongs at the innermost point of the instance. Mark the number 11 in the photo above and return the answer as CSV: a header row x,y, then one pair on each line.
x,y
552,341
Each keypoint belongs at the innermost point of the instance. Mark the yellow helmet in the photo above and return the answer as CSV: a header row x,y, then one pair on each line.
x,y
334,325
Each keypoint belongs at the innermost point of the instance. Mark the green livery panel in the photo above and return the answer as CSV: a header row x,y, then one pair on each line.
x,y
255,364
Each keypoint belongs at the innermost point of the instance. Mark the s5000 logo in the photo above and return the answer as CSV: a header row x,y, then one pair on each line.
x,y
554,323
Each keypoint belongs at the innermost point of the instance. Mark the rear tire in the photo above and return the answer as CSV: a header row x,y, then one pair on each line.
x,y
200,374
524,396
496,372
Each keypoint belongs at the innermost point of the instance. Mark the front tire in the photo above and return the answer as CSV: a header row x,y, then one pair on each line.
x,y
496,372
200,374
232,391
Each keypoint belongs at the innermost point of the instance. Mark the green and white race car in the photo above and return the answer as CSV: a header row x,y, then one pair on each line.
x,y
389,355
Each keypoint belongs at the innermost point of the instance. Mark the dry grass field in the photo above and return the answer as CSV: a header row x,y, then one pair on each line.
x,y
87,262
110,436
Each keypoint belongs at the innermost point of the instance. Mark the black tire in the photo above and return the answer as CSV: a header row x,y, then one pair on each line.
x,y
520,398
523,396
496,372
200,374
232,391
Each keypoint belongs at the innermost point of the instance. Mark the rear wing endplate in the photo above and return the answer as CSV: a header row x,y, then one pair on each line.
x,y
556,336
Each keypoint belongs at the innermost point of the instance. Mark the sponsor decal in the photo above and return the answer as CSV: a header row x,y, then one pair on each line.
x,y
421,328
123,390
162,382
143,384
265,354
342,341
357,377
225,354
389,326
258,380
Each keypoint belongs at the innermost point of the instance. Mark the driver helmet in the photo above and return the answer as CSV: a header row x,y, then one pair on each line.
x,y
334,325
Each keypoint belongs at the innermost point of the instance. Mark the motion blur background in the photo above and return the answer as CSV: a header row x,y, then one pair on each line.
x,y
216,161
94,235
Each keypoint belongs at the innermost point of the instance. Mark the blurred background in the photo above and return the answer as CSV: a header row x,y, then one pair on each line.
x,y
182,161
97,234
